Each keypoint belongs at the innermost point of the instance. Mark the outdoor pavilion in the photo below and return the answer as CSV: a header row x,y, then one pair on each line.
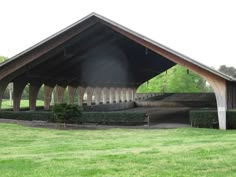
x,y
102,58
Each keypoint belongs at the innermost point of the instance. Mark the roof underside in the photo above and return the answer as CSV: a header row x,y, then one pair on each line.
x,y
90,53
98,56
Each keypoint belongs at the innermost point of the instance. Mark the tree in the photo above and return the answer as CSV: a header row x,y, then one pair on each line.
x,y
10,85
176,79
231,71
66,113
2,59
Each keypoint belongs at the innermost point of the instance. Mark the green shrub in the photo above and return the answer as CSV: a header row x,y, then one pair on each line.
x,y
209,119
113,118
66,113
27,115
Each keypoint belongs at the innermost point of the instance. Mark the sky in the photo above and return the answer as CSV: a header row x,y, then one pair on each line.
x,y
204,30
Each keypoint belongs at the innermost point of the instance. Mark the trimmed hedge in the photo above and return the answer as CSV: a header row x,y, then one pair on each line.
x,y
28,115
209,119
113,118
126,118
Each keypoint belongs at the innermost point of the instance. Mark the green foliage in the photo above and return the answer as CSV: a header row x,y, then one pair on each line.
x,y
203,118
66,113
231,71
6,104
113,118
30,152
209,119
2,59
27,115
176,80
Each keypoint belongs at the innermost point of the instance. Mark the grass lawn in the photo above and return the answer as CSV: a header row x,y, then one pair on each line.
x,y
23,103
26,151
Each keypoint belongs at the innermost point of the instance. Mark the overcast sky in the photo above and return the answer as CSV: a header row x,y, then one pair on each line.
x,y
204,30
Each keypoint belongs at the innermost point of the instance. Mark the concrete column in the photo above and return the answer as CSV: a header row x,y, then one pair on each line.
x,y
81,91
97,94
48,89
128,94
105,95
60,93
133,98
122,95
18,87
117,95
111,95
89,92
71,94
3,86
131,94
33,93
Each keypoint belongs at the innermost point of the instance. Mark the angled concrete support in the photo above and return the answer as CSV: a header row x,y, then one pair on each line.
x,y
105,95
48,89
71,94
219,87
18,87
89,91
117,95
3,86
97,94
33,93
81,91
111,95
60,93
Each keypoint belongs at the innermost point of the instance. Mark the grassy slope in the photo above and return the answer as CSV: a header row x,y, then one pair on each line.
x,y
23,103
38,152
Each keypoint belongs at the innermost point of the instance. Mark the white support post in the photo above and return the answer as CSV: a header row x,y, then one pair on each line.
x,y
81,91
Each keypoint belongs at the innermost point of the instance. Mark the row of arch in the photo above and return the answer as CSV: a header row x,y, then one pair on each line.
x,y
84,95
88,95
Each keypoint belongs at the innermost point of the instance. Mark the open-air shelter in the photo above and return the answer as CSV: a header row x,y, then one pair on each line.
x,y
102,58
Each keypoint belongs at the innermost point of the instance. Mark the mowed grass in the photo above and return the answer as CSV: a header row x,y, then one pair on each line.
x,y
26,151
23,104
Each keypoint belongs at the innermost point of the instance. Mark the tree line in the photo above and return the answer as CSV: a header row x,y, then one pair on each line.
x,y
180,80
